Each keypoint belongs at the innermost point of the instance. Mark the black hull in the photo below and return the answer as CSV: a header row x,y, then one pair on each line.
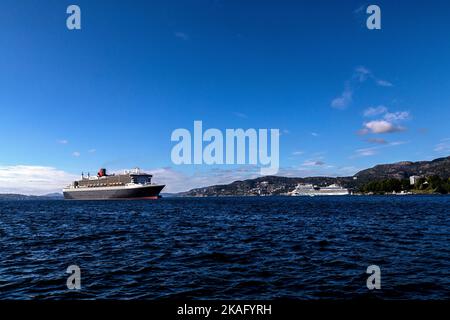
x,y
145,192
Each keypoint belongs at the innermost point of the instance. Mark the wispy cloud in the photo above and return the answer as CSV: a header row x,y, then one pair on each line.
x,y
317,160
384,83
240,115
298,153
344,100
182,35
388,116
443,147
319,154
366,152
314,134
375,111
92,150
76,154
360,9
371,151
423,130
377,141
397,116
309,163
63,141
397,143
360,75
315,171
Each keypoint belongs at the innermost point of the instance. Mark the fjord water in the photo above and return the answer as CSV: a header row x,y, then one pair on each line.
x,y
227,248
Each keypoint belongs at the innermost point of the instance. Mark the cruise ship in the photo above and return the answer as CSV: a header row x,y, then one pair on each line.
x,y
312,190
132,184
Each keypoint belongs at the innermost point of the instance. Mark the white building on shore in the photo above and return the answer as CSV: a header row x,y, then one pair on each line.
x,y
414,179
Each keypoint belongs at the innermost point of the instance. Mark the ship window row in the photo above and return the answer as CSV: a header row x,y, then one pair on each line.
x,y
141,180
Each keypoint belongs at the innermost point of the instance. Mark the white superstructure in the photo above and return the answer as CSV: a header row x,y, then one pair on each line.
x,y
312,190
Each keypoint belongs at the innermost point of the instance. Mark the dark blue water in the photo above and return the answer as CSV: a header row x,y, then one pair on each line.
x,y
230,248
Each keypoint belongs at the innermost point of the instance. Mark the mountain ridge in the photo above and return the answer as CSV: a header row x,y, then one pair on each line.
x,y
278,185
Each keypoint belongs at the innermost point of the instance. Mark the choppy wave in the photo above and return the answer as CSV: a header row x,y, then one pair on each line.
x,y
227,248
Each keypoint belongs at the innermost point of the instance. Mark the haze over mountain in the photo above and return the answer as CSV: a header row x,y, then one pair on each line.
x,y
17,196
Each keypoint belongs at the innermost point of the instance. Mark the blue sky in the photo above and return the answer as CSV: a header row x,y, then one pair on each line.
x,y
344,97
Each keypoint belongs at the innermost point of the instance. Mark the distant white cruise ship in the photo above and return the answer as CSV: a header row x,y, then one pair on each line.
x,y
311,190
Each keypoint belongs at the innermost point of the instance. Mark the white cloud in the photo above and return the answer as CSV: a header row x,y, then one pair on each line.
x,y
35,180
92,150
298,153
389,122
380,126
63,141
76,154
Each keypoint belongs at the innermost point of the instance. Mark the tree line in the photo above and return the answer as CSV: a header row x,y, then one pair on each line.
x,y
432,184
